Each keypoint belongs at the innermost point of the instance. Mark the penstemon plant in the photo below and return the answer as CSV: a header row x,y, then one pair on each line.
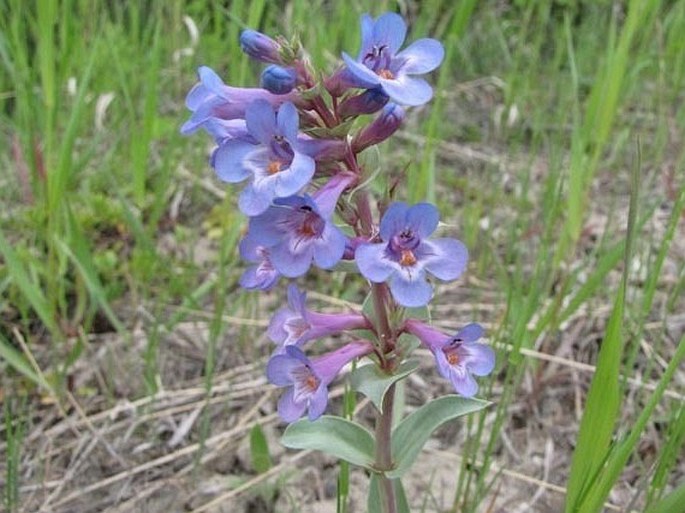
x,y
298,144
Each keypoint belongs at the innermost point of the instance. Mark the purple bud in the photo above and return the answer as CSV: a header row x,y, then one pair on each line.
x,y
278,80
260,46
380,129
370,101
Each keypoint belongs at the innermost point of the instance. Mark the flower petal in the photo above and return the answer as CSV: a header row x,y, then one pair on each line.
x,y
254,201
421,56
279,369
361,75
463,382
252,278
300,172
289,263
288,409
413,292
297,300
288,121
372,262
445,259
478,358
423,218
389,29
330,248
265,229
469,333
276,330
406,90
394,220
261,121
318,402
211,80
367,35
229,160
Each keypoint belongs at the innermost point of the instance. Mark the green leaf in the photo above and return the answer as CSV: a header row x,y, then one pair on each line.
x,y
412,433
17,360
371,381
376,499
259,450
674,502
335,436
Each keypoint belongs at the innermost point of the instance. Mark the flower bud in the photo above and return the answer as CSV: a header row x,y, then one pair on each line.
x,y
260,46
380,129
370,101
278,80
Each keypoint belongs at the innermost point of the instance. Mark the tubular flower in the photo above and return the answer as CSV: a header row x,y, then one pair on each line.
x,y
298,230
380,64
211,98
271,159
459,357
307,380
260,46
385,124
263,275
406,254
295,325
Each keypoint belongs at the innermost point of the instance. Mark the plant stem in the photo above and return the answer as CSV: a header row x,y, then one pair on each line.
x,y
384,449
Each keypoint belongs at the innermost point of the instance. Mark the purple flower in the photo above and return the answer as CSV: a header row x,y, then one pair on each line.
x,y
298,230
271,158
307,380
368,102
406,254
260,46
458,358
385,124
295,325
263,275
211,98
380,64
278,80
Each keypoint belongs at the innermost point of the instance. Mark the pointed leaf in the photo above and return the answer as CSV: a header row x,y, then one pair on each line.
x,y
259,450
371,381
412,433
335,436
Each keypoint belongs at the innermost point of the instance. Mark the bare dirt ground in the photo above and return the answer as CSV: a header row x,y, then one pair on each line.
x,y
187,450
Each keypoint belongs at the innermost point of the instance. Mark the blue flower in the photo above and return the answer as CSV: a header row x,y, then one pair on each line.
x,y
211,99
298,230
459,357
380,64
406,255
295,324
307,380
262,275
270,159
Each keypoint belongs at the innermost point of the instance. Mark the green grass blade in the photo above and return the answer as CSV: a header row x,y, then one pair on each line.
x,y
18,361
30,290
674,502
619,457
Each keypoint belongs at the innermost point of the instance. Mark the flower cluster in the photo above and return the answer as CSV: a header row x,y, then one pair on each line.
x,y
293,144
